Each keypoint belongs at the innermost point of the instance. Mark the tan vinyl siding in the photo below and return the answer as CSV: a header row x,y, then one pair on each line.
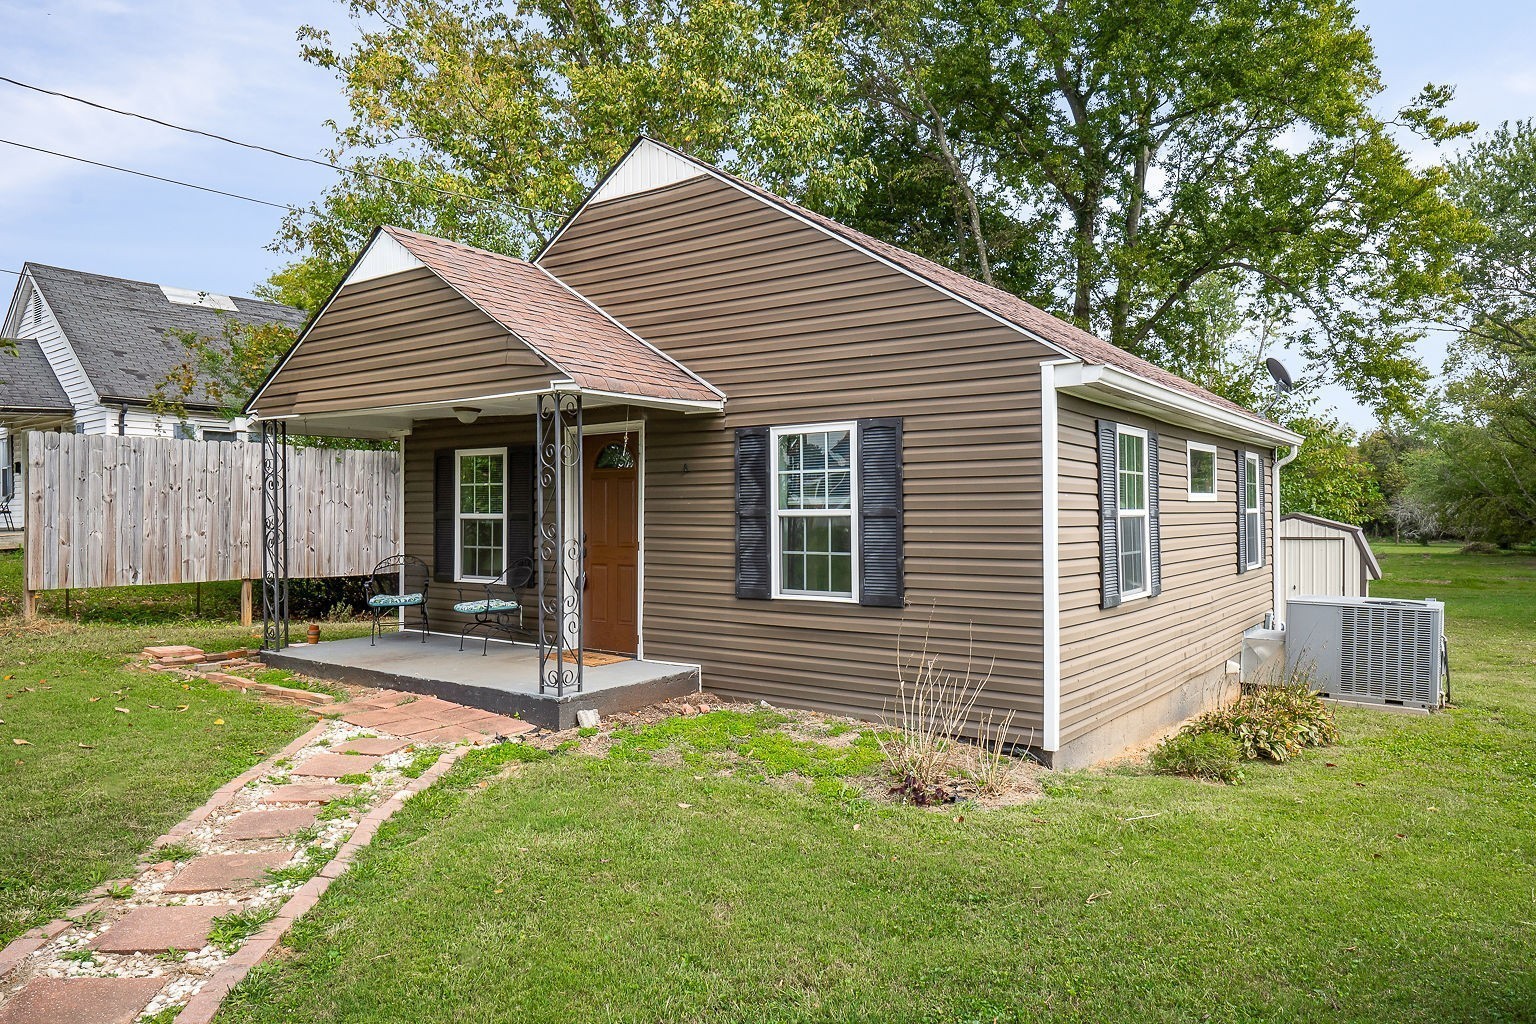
x,y
366,352
428,438
1114,661
420,449
799,328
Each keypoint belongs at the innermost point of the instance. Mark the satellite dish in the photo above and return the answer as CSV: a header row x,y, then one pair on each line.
x,y
1283,382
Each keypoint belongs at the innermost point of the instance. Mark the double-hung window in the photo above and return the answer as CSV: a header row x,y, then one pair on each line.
x,y
1252,511
1135,549
481,513
814,496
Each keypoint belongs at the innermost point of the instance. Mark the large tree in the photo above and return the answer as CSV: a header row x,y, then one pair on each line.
x,y
1495,182
1105,157
519,106
1112,160
1477,471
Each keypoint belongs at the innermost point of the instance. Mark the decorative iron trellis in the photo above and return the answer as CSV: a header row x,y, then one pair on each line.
x,y
561,542
274,536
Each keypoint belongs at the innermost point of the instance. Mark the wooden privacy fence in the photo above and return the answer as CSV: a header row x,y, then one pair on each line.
x,y
107,511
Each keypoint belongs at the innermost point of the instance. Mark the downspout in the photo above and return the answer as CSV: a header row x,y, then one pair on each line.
x,y
1274,536
122,420
1050,545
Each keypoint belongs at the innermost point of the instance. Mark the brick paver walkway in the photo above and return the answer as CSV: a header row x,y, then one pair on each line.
x,y
427,719
268,818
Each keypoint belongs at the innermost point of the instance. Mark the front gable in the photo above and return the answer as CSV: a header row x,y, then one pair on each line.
x,y
399,336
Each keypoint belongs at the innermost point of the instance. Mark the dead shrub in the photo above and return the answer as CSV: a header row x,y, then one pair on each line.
x,y
933,704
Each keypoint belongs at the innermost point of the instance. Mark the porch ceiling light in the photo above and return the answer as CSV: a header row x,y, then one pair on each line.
x,y
466,413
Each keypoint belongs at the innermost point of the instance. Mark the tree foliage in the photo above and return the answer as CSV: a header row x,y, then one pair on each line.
x,y
1495,182
1106,157
222,370
1330,477
486,122
1477,471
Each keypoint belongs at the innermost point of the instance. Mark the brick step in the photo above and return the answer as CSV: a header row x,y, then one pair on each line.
x,y
220,872
159,930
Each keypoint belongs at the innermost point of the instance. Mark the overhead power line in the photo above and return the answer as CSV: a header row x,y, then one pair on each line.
x,y
153,177
278,152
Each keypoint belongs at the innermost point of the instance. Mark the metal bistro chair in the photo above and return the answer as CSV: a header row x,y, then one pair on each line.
x,y
398,582
496,613
5,512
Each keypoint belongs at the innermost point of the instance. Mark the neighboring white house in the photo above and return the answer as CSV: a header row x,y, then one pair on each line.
x,y
91,351
1324,558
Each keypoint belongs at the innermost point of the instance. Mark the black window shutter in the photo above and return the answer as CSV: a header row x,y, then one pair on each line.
x,y
754,514
1154,519
520,501
444,493
1109,514
1263,524
881,577
1242,511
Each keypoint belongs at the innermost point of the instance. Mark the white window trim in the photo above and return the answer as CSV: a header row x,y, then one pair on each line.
x,y
1144,514
1189,471
775,534
459,515
1253,466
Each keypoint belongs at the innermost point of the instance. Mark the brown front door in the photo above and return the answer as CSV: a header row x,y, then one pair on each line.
x,y
612,510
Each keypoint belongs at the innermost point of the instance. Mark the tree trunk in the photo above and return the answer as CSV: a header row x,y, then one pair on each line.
x,y
1120,315
962,182
1085,236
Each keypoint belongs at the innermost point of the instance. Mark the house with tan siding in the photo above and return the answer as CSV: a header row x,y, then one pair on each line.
x,y
708,429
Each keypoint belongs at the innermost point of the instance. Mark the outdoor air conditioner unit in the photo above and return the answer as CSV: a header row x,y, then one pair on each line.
x,y
1368,649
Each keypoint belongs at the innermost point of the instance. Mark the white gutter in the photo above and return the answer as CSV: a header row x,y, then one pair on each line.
x,y
1274,536
1108,385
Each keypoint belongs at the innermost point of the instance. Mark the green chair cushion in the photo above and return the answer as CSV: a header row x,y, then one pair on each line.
x,y
395,600
483,607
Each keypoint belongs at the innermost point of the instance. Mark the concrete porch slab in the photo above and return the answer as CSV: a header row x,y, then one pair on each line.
x,y
505,681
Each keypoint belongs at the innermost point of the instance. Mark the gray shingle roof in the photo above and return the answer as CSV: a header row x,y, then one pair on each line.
x,y
27,383
122,330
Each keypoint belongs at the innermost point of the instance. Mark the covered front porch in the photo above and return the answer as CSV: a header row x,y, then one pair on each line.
x,y
521,412
505,681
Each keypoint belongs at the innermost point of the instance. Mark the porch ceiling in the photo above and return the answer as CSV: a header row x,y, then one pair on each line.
x,y
392,421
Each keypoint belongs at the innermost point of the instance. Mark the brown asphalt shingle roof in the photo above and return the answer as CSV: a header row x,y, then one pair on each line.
x,y
573,335
1071,339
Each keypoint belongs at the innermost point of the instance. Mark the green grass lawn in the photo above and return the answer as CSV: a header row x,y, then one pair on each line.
x,y
1392,878
93,786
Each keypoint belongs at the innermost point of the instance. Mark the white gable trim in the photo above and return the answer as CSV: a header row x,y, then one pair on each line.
x,y
1108,385
646,167
56,347
383,257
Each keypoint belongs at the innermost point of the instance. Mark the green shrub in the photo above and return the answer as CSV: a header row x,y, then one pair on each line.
x,y
1206,755
1273,723
1479,547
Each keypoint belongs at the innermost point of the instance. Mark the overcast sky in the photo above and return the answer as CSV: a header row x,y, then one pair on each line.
x,y
233,68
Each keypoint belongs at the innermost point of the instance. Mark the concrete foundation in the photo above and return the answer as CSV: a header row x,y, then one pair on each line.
x,y
1150,722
